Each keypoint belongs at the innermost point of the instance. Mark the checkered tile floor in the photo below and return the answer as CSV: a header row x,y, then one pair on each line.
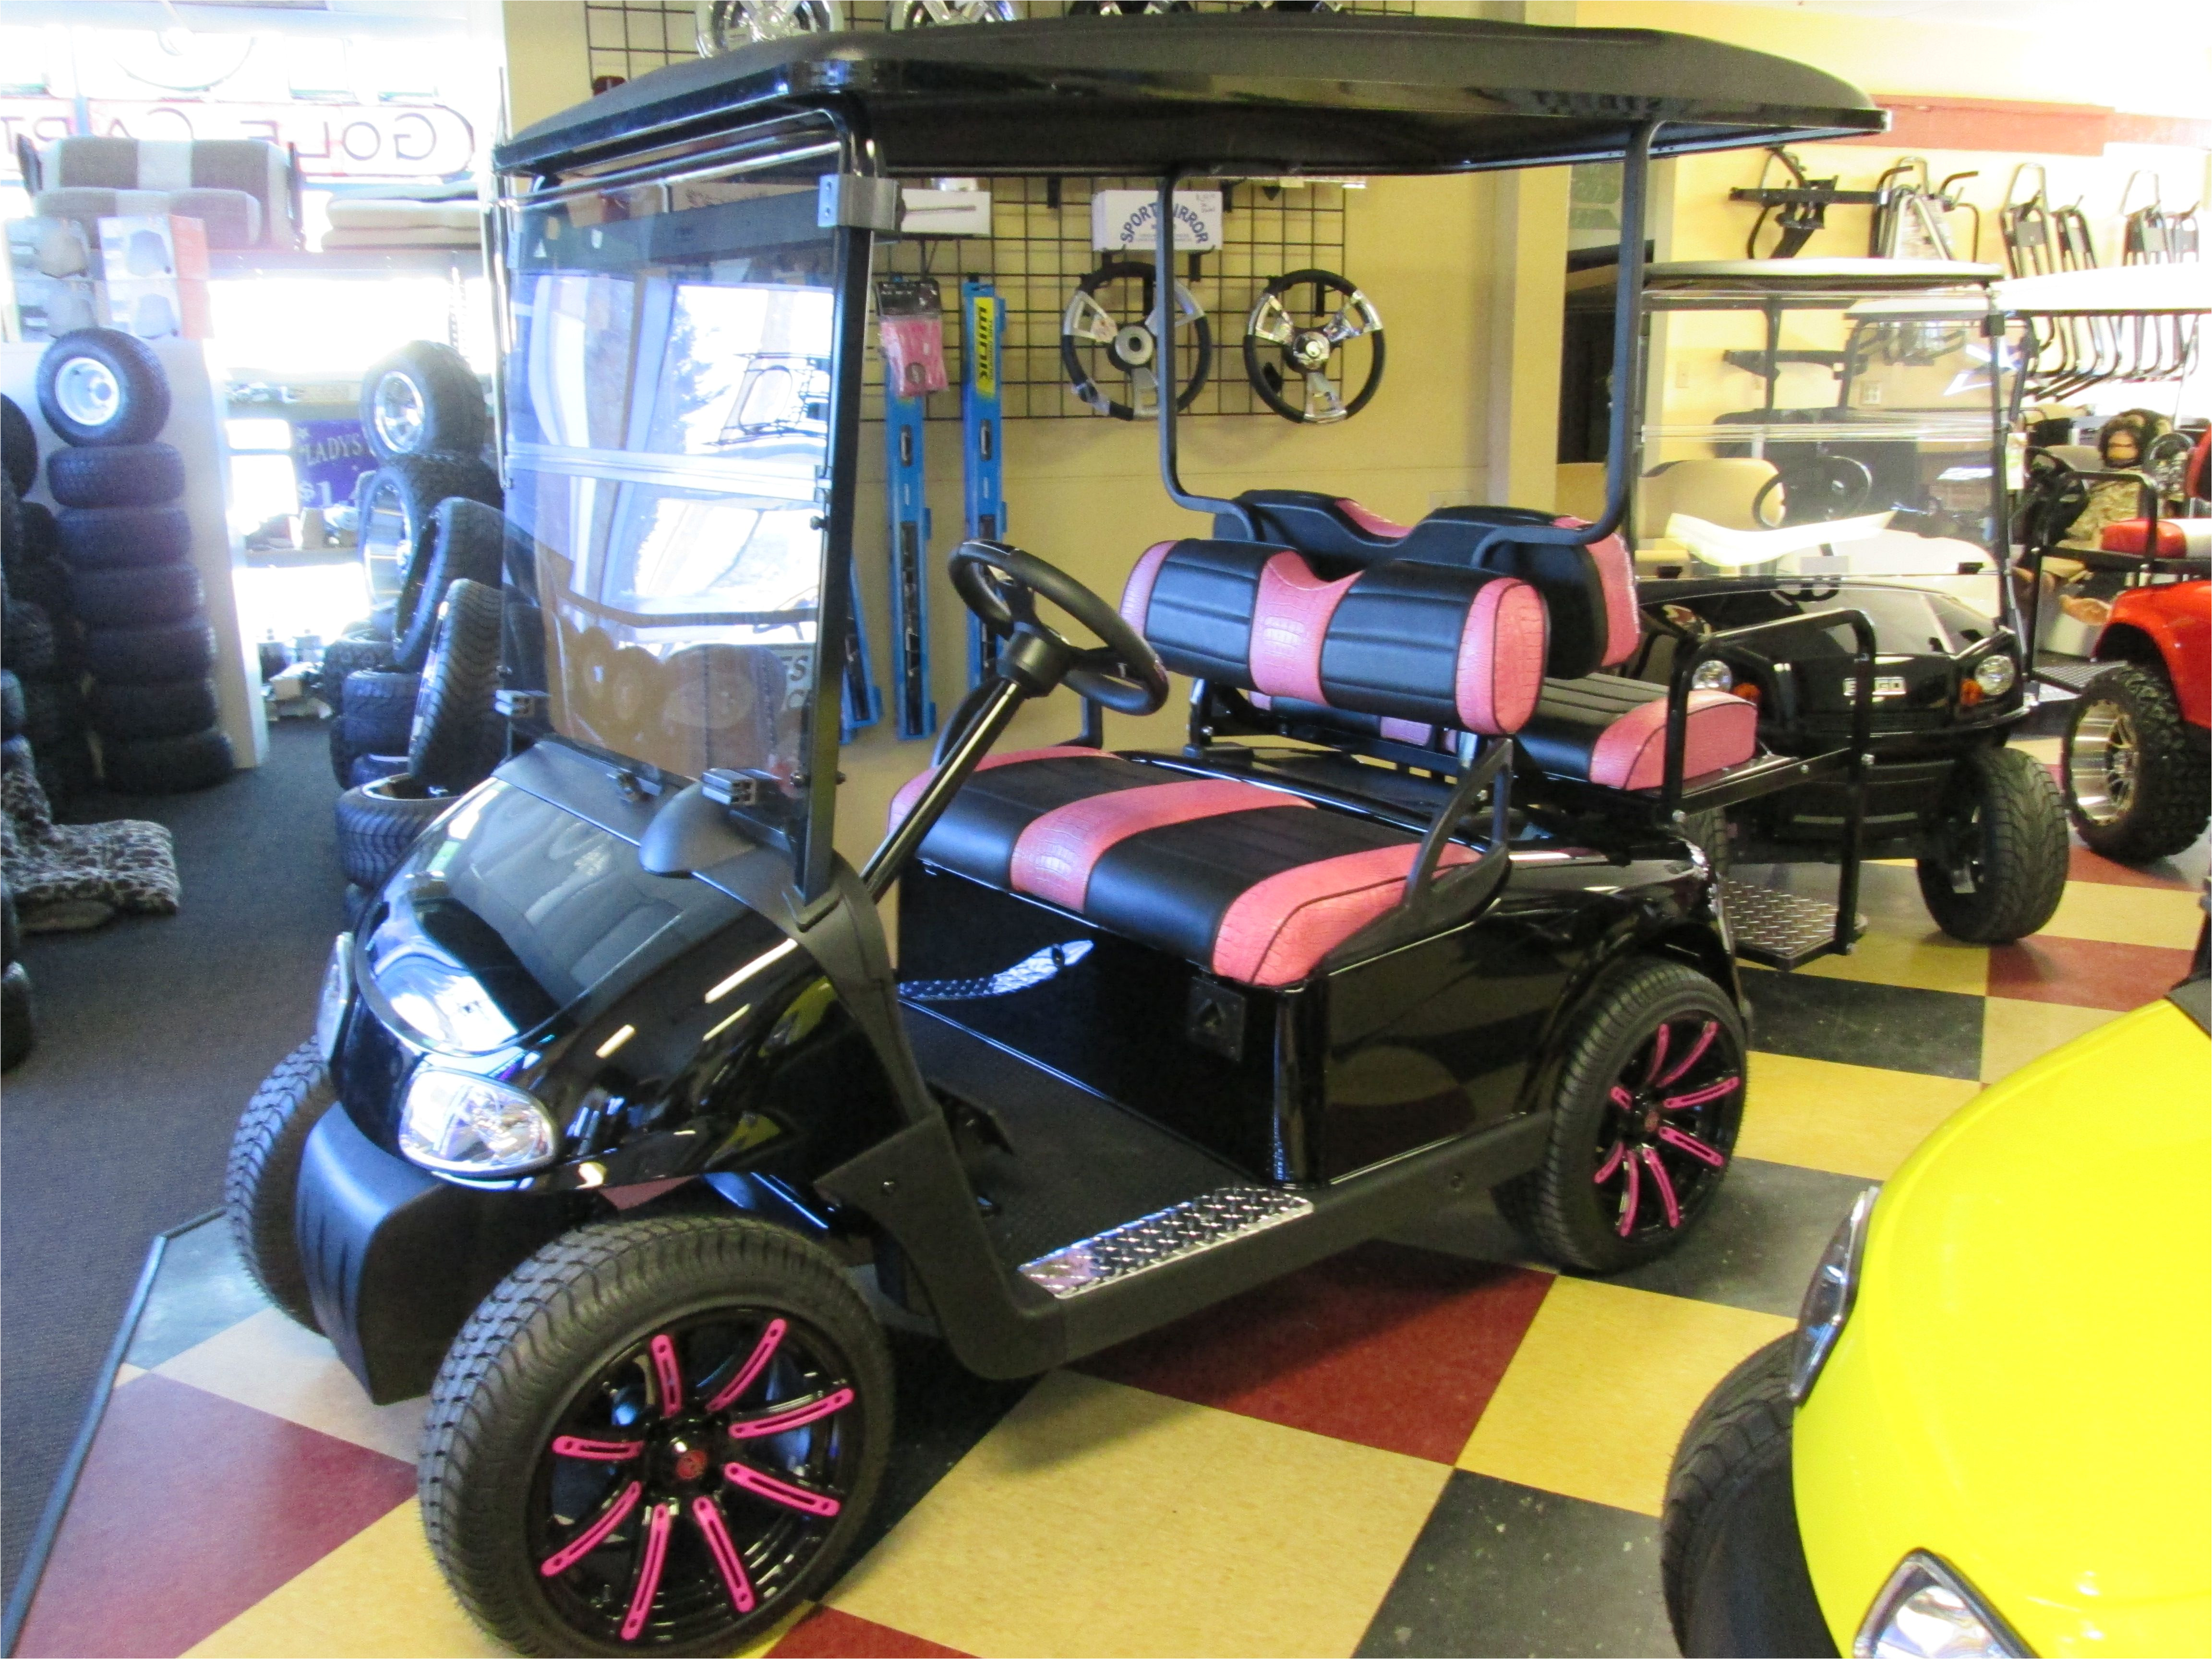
x,y
1426,1446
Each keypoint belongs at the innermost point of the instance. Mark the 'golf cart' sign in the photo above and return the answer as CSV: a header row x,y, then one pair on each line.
x,y
1125,219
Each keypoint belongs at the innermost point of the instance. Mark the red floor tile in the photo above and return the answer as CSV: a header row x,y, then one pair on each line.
x,y
826,1633
191,1509
1386,1345
2085,866
2087,973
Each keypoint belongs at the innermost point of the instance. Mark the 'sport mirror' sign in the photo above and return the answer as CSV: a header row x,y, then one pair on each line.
x,y
1127,219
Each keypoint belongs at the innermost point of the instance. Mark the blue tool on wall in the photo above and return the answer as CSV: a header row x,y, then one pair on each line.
x,y
907,489
983,316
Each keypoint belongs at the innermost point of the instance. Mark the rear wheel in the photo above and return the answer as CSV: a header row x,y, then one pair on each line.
x,y
2137,784
1996,866
657,1436
1731,1563
1644,1123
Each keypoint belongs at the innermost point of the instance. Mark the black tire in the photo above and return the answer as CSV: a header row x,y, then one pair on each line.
x,y
378,718
1997,867
145,656
44,581
540,1354
458,735
2138,779
17,1034
137,598
397,502
53,714
128,380
368,768
343,657
261,1183
1563,1206
377,823
15,753
12,715
139,475
26,639
168,708
11,928
39,540
13,542
466,541
113,537
18,445
1731,1563
423,399
167,766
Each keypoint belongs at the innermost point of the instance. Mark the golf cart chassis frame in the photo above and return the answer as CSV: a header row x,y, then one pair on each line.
x,y
396,1257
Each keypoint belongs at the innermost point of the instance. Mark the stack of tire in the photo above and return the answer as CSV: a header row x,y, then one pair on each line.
x,y
457,735
127,542
41,640
15,1034
422,414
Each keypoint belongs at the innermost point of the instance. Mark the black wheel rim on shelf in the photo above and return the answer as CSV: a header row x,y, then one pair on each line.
x,y
692,1480
1663,1139
1289,349
1129,347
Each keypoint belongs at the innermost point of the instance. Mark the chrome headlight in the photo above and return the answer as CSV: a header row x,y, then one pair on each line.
x,y
461,1124
1996,675
1712,675
1828,1298
337,991
1927,1611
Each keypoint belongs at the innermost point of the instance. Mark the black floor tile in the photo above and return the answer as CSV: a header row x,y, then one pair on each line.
x,y
1505,1569
1893,1026
202,1288
1758,1244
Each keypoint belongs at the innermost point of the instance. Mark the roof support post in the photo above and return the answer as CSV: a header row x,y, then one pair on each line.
x,y
1164,311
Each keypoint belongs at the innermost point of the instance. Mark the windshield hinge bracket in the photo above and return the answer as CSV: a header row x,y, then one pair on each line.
x,y
856,200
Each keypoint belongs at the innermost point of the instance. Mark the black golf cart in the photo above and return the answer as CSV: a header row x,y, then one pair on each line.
x,y
615,1087
1869,475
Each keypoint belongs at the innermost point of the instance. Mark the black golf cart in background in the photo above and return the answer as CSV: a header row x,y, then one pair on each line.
x,y
614,1087
1868,475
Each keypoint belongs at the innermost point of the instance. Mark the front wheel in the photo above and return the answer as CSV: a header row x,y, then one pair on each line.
x,y
655,1436
1644,1123
2135,774
1996,866
1731,1564
261,1184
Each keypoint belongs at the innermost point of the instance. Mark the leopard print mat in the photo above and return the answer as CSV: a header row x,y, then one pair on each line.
x,y
62,874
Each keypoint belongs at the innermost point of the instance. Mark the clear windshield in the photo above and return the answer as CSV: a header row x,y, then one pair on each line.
x,y
668,405
1823,435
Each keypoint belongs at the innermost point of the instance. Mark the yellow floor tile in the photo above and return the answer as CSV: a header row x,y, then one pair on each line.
x,y
1279,1541
1852,1120
2015,1032
1932,961
2167,916
2046,750
379,1594
273,1365
1604,1385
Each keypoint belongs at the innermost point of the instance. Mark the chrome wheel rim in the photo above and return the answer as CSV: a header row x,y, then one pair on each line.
x,y
88,391
2103,762
397,411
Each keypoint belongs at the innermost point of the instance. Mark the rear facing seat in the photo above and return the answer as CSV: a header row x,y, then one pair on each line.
x,y
1250,882
1604,728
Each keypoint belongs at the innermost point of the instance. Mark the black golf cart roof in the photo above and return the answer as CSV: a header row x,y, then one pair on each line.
x,y
1223,94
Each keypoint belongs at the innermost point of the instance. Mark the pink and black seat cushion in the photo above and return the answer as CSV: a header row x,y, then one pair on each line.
x,y
1588,592
1249,883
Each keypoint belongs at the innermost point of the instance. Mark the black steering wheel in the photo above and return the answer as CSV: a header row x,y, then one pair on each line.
x,y
1817,491
1001,585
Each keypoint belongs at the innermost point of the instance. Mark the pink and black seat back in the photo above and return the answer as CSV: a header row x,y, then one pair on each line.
x,y
1590,592
1419,645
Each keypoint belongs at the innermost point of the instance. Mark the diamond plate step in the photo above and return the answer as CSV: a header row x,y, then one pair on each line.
x,y
2068,675
1203,1223
1779,930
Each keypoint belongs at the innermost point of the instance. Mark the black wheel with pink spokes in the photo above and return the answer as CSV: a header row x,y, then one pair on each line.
x,y
655,1437
1645,1122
